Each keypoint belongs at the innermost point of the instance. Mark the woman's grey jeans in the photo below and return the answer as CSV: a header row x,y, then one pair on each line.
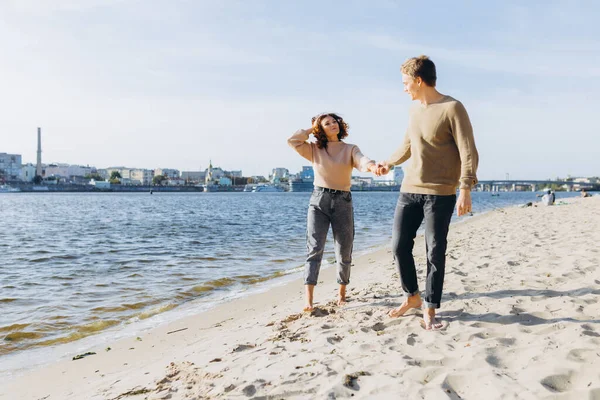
x,y
328,207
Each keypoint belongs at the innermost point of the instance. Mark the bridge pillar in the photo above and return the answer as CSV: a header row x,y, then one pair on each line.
x,y
533,187
514,187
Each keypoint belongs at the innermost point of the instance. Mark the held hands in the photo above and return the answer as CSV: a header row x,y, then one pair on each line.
x,y
463,204
382,168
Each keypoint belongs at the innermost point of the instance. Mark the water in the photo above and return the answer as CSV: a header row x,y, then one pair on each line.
x,y
73,265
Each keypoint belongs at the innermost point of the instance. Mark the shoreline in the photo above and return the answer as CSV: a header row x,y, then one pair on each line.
x,y
129,329
240,331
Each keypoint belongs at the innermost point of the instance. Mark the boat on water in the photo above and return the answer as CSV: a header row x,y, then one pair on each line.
x,y
249,188
8,189
211,188
267,188
301,185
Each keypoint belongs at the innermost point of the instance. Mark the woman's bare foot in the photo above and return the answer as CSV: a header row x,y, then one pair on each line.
x,y
410,302
429,320
342,296
309,292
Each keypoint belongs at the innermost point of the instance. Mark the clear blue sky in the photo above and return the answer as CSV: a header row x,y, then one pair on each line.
x,y
175,83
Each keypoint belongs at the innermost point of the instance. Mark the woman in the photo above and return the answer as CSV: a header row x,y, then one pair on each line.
x,y
331,200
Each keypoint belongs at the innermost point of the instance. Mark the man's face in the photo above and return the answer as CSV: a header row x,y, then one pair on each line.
x,y
411,85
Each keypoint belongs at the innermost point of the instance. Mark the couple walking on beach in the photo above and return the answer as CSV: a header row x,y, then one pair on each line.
x,y
439,143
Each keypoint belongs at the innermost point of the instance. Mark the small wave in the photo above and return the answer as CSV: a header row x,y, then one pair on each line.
x,y
80,332
8,300
198,290
124,307
39,260
62,278
65,257
13,327
19,336
57,317
221,282
158,310
95,326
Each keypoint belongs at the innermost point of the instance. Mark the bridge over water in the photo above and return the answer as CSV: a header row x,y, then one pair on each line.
x,y
533,185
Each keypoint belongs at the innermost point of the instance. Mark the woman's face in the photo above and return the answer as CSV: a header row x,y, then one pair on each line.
x,y
331,128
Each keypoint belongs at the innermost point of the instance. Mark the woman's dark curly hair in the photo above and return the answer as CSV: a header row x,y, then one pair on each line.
x,y
320,133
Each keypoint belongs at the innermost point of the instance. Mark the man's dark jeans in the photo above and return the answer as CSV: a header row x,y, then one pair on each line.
x,y
410,211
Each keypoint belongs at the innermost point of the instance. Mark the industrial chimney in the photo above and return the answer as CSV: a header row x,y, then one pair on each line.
x,y
38,168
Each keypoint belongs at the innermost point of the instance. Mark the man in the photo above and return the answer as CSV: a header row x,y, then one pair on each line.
x,y
548,198
439,142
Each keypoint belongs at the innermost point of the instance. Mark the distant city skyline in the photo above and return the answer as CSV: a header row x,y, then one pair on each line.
x,y
175,84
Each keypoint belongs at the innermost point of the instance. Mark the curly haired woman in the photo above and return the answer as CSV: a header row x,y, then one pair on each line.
x,y
331,200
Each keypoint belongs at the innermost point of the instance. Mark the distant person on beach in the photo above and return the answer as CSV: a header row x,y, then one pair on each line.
x,y
548,198
331,201
439,142
584,193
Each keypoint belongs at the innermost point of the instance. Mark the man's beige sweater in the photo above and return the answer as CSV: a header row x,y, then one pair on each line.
x,y
439,142
333,167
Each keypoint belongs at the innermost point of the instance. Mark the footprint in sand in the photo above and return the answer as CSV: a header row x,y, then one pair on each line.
x,y
582,355
334,339
494,360
321,312
590,333
410,340
506,341
453,385
242,347
557,383
249,390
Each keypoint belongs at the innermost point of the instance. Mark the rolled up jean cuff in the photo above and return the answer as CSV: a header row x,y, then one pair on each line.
x,y
408,294
310,283
342,283
427,304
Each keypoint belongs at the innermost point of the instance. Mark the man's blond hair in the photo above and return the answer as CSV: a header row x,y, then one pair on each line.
x,y
420,67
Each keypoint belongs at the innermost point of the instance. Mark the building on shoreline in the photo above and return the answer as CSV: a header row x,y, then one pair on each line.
x,y
10,166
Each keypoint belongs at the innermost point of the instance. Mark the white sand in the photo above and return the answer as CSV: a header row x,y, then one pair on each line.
x,y
521,301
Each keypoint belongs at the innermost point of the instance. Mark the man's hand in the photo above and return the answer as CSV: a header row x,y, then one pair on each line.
x,y
382,168
463,204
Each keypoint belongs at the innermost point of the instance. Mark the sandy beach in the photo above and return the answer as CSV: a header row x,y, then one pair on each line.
x,y
521,307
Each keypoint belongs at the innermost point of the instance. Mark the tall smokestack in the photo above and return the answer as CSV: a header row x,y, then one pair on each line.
x,y
38,168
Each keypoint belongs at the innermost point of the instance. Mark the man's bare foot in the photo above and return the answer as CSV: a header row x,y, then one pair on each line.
x,y
429,320
410,302
342,296
308,308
